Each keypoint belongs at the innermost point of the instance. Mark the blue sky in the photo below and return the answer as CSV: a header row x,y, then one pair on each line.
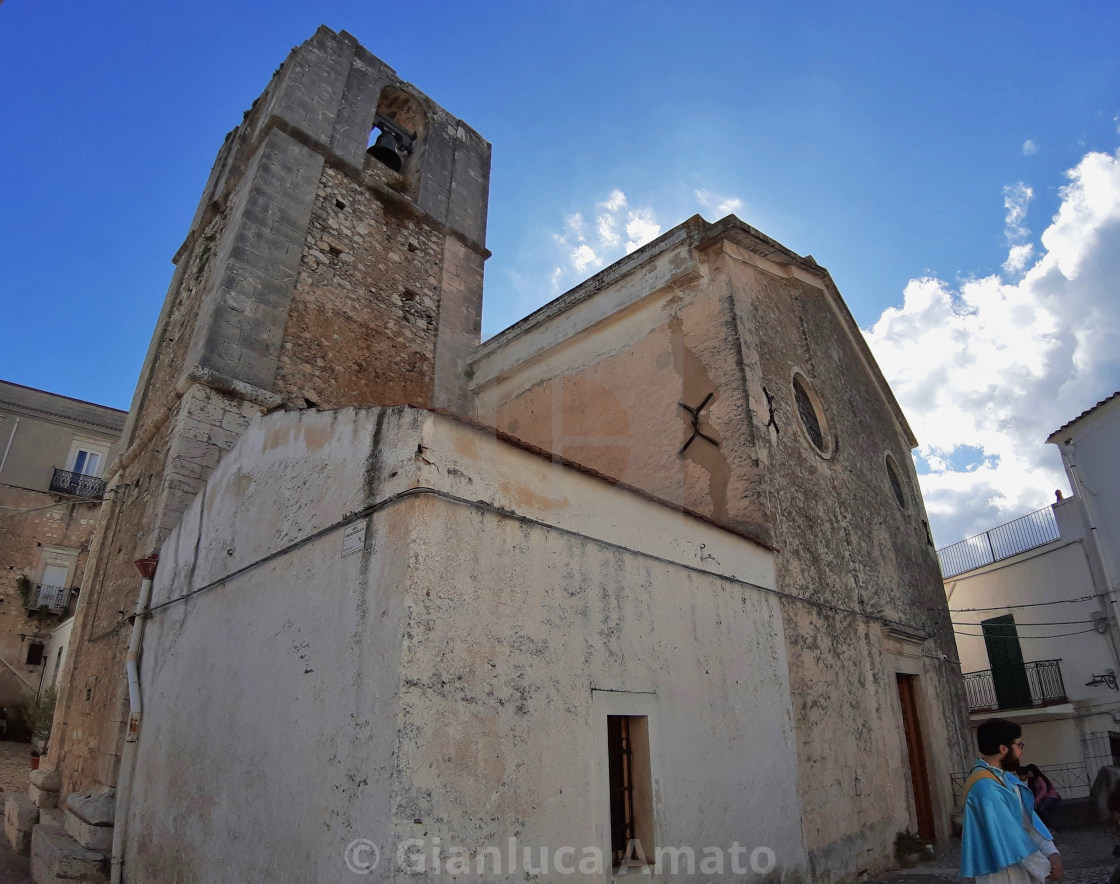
x,y
908,147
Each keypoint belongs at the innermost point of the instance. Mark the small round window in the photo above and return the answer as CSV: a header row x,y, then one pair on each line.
x,y
896,482
811,415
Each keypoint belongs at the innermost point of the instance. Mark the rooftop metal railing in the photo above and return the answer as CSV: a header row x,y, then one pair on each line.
x,y
1004,541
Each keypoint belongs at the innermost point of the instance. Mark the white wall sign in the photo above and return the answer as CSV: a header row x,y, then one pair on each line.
x,y
354,538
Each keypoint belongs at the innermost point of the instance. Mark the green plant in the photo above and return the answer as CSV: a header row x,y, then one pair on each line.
x,y
910,848
40,716
18,729
23,587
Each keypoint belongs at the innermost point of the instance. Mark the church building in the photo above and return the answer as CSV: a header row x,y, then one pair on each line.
x,y
643,580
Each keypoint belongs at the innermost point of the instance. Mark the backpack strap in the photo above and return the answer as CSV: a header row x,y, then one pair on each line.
x,y
980,773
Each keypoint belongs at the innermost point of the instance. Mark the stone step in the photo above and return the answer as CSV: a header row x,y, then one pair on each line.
x,y
47,778
20,817
56,858
89,817
41,797
88,835
52,816
95,806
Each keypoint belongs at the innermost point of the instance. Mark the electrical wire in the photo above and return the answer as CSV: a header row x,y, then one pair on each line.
x,y
392,499
1085,598
1053,635
1018,624
19,511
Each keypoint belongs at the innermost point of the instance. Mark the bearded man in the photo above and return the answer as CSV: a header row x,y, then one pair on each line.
x,y
1004,841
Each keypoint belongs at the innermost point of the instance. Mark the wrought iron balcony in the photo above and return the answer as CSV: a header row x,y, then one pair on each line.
x,y
53,598
77,484
1021,686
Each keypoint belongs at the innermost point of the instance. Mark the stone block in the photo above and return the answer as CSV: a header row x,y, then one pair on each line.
x,y
1105,786
56,858
52,816
20,817
206,412
96,806
42,798
47,778
89,836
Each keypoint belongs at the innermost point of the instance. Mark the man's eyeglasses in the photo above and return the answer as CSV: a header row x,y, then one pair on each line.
x,y
1020,744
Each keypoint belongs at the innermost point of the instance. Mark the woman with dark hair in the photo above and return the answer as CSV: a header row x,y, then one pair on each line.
x,y
1045,795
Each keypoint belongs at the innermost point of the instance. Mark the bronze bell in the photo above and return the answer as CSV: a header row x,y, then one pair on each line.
x,y
387,150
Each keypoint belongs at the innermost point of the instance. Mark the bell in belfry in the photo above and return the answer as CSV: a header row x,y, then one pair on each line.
x,y
387,150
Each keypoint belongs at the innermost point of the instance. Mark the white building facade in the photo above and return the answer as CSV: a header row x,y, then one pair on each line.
x,y
1034,605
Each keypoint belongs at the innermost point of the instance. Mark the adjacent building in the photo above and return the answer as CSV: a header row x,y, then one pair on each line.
x,y
646,575
1034,609
54,451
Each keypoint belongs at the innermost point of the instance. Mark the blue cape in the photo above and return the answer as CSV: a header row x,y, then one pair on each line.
x,y
993,836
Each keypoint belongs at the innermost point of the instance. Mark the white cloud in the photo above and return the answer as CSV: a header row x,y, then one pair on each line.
x,y
1016,200
720,205
987,369
615,202
607,228
1029,147
640,229
617,229
584,256
1018,258
599,231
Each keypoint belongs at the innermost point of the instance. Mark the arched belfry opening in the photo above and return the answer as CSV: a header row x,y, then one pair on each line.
x,y
398,130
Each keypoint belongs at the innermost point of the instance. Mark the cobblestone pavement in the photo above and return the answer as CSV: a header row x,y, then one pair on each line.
x,y
1086,855
15,765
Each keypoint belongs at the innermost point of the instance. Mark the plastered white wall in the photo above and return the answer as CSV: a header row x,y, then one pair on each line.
x,y
440,681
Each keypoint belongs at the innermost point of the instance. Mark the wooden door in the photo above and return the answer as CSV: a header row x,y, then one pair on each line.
x,y
916,755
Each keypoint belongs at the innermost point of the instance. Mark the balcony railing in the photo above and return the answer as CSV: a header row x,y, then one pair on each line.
x,y
1071,779
54,598
1022,686
1026,532
66,482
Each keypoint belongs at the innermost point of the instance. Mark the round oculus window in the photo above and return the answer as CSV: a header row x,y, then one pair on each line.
x,y
812,418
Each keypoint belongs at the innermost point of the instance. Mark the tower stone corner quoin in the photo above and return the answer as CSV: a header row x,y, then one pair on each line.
x,y
669,517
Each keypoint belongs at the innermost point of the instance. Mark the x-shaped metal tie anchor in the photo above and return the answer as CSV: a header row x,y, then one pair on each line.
x,y
696,431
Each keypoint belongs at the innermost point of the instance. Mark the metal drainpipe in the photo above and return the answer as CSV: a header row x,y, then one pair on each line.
x,y
147,568
1082,492
8,447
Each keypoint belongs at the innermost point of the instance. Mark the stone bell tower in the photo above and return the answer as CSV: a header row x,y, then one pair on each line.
x,y
335,259
343,276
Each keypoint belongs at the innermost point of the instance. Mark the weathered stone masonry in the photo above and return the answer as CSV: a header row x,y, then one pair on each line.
x,y
720,315
312,275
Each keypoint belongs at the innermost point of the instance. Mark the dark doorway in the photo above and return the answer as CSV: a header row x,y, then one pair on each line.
x,y
916,755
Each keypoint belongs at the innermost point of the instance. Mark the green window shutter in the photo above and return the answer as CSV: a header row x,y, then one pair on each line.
x,y
1009,676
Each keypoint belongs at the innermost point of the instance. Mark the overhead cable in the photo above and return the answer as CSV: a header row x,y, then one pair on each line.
x,y
1084,598
1052,635
1000,627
